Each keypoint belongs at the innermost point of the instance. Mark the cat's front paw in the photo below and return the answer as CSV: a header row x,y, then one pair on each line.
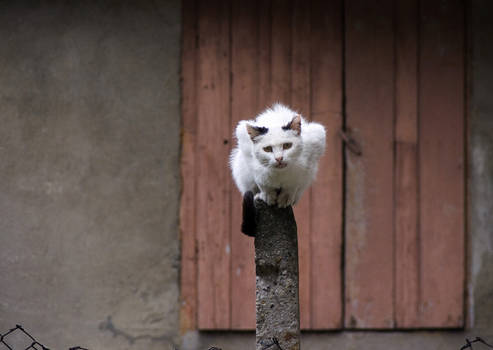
x,y
285,199
263,196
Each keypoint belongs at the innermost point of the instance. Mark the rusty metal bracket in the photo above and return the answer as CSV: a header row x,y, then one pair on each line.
x,y
350,143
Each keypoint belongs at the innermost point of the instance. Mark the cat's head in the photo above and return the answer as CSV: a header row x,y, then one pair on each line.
x,y
279,146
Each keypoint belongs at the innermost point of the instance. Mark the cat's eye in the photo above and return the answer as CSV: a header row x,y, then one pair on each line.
x,y
268,149
287,145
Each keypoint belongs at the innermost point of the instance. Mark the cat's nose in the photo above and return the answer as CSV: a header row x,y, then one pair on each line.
x,y
279,159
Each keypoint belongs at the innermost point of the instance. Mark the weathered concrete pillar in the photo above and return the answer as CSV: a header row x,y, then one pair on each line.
x,y
276,264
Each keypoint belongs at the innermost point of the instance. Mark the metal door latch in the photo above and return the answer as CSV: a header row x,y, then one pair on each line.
x,y
351,143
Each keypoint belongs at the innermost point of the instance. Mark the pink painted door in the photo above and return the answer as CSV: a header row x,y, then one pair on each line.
x,y
381,234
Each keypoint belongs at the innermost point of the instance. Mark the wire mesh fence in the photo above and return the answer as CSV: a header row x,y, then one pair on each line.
x,y
468,344
18,338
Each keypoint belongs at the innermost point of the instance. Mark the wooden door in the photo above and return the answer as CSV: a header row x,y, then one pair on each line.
x,y
404,234
381,234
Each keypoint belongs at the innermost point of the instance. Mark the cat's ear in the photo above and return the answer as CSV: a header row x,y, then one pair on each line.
x,y
255,131
294,124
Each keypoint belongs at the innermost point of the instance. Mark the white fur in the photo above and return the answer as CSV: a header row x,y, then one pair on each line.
x,y
255,170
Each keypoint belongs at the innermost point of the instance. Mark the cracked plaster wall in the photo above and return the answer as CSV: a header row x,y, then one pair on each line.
x,y
481,168
89,172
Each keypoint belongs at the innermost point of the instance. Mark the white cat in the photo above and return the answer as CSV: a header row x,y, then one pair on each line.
x,y
277,155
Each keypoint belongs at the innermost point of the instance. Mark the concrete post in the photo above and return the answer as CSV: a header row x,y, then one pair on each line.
x,y
276,265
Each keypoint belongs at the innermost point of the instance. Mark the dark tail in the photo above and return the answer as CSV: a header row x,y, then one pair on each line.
x,y
248,226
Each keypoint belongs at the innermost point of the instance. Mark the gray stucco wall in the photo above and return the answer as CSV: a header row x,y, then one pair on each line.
x,y
89,172
89,181
481,169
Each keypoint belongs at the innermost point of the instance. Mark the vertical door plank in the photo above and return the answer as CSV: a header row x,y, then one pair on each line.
x,y
326,193
213,178
406,240
300,101
188,274
264,35
244,67
281,52
441,155
406,179
369,204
